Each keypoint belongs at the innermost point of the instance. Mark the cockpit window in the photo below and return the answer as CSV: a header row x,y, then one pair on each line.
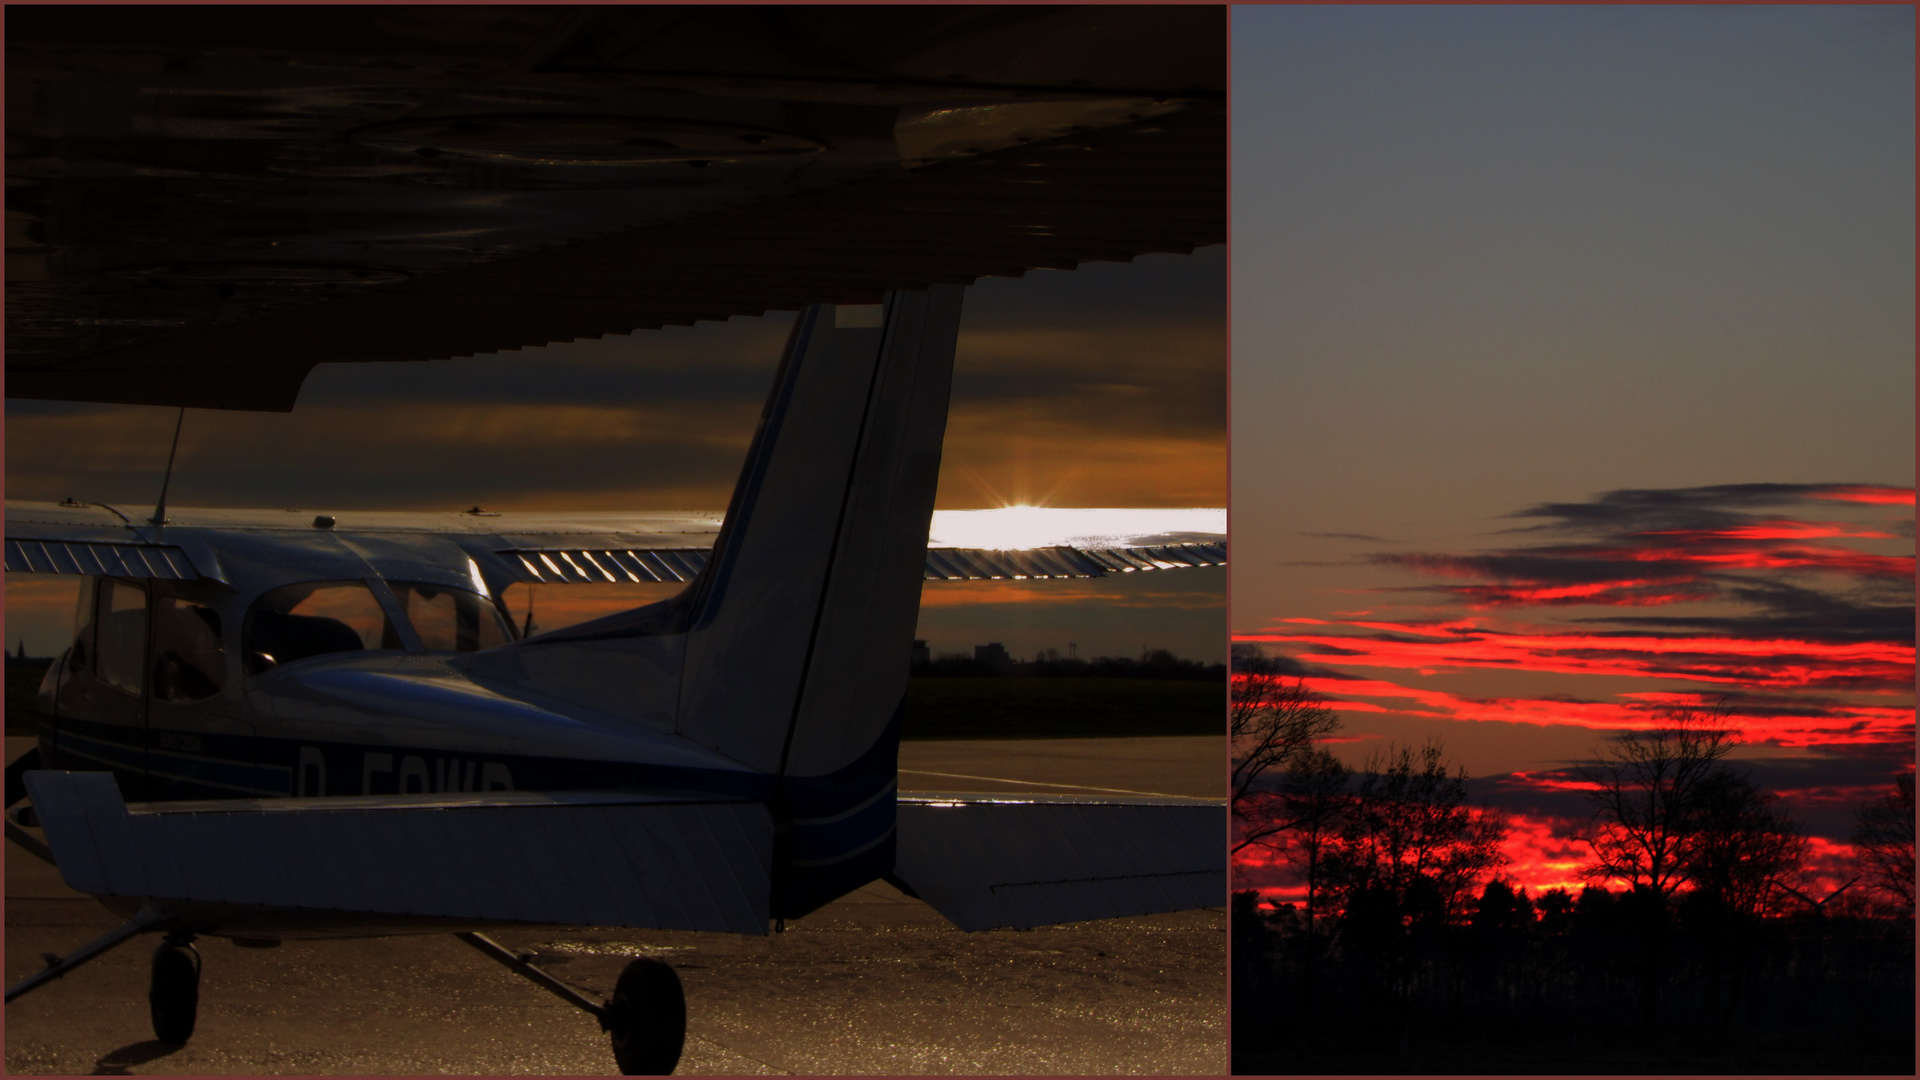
x,y
123,635
82,653
189,663
312,619
450,620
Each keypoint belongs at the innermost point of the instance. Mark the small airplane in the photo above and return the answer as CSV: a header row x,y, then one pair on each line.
x,y
292,725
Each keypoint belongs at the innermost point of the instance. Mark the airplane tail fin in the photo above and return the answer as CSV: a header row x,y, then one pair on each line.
x,y
789,652
802,623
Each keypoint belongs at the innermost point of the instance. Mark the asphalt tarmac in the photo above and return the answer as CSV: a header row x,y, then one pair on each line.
x,y
876,983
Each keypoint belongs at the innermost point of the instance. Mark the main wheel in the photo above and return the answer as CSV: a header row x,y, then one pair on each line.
x,y
174,994
647,1019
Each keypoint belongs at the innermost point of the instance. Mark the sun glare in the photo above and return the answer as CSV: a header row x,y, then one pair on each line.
x,y
1020,527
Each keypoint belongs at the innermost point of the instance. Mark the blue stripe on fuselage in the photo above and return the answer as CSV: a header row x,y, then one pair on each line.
x,y
837,830
243,766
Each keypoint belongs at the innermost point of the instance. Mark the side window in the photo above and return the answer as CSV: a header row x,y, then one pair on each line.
x,y
298,621
82,655
189,662
122,635
450,620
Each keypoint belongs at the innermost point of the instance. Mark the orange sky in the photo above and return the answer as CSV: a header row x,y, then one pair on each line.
x,y
1103,386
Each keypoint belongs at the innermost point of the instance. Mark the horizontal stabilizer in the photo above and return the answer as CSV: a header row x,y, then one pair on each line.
x,y
571,858
1022,860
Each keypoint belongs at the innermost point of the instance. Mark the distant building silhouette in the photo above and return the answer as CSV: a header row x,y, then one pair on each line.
x,y
921,654
994,654
19,657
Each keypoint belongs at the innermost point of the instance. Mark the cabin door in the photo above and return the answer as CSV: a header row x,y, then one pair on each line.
x,y
103,699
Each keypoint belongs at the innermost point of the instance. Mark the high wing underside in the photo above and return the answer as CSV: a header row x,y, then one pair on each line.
x,y
607,547
204,203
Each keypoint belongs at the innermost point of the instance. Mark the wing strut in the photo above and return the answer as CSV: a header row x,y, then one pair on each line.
x,y
148,918
16,775
518,963
16,791
33,847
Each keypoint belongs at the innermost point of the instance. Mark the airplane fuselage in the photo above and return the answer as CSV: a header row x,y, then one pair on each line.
x,y
171,685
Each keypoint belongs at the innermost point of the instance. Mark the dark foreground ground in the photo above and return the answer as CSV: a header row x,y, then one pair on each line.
x,y
1592,1053
874,983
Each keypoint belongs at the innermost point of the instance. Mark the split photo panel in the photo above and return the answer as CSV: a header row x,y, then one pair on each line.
x,y
1181,539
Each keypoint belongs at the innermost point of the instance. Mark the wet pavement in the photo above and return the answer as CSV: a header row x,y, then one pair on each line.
x,y
874,983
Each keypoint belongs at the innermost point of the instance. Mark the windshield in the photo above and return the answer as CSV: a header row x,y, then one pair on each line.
x,y
449,619
313,619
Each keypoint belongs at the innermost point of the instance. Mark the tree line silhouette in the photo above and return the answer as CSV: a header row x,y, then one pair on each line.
x,y
1700,942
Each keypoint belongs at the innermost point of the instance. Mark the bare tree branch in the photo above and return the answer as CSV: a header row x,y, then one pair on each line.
x,y
1884,840
1647,797
1273,722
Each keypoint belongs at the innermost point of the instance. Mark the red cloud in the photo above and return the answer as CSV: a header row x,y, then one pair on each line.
x,y
1741,662
1826,725
1867,493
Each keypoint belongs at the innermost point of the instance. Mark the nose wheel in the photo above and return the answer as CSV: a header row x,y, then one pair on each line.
x,y
173,996
647,1019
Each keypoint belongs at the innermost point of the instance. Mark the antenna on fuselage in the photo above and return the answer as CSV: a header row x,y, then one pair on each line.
x,y
160,510
527,630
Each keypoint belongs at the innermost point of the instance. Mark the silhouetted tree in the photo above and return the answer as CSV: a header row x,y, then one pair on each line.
x,y
1742,853
1272,721
1883,838
1501,912
1314,799
1253,958
1556,910
1647,795
1411,832
1409,857
1742,856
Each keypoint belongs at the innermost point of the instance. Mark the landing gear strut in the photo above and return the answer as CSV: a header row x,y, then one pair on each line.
x,y
647,1017
174,994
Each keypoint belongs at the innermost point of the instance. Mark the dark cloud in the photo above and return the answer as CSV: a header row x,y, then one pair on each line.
x,y
1350,536
1719,506
1287,666
1102,386
1763,705
1789,612
1818,792
1661,547
1547,794
1542,566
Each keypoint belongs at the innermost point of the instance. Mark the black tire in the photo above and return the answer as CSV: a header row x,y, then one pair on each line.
x,y
647,1019
174,994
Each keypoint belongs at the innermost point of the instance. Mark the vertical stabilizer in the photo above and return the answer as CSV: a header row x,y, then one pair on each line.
x,y
802,625
789,653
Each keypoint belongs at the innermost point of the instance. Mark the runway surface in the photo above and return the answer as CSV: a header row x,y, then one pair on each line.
x,y
874,983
